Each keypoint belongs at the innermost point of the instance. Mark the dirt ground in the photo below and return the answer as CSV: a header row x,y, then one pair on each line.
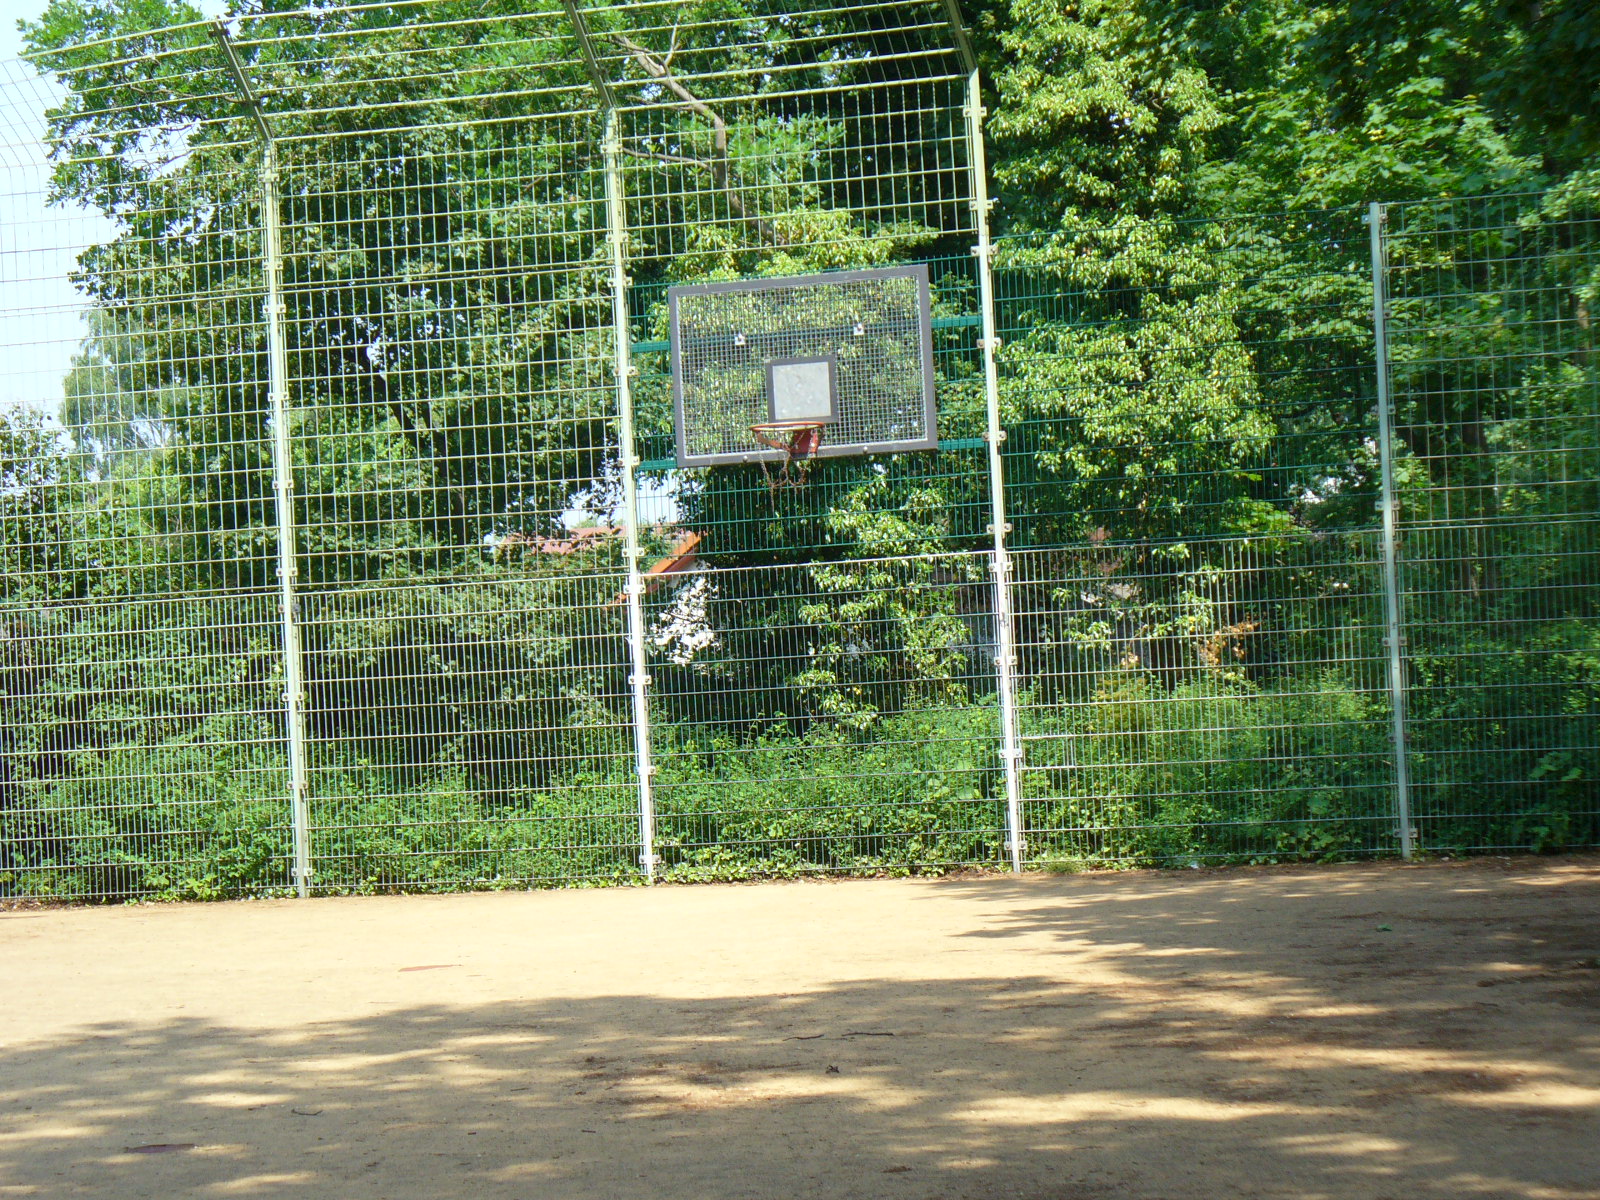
x,y
1356,1031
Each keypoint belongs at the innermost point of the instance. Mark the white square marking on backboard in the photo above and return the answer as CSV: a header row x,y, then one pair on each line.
x,y
802,391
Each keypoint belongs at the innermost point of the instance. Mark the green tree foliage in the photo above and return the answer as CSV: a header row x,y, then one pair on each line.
x,y
1533,67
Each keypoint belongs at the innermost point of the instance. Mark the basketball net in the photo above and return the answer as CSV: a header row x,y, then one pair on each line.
x,y
799,441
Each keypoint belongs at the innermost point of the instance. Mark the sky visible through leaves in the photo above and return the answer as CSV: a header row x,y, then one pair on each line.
x,y
41,321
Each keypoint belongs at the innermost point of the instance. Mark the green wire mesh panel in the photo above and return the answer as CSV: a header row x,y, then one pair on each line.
x,y
1198,605
826,717
853,350
1496,379
141,716
1217,700
472,732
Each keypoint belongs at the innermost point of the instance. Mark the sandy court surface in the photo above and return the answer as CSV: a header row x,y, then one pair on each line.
x,y
1356,1031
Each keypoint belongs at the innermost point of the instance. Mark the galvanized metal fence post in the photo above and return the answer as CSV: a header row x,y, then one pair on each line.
x,y
1388,502
627,451
628,465
294,692
999,555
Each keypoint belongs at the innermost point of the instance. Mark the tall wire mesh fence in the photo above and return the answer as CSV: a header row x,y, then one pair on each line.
x,y
343,545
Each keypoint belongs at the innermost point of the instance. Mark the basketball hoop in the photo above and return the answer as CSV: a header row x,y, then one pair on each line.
x,y
800,440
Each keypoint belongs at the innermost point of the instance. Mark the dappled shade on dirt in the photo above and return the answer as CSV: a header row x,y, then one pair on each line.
x,y
1365,1031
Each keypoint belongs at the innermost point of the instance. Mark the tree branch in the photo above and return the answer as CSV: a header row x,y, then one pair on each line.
x,y
662,156
718,166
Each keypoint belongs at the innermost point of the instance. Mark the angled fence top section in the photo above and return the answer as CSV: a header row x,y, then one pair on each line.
x,y
351,70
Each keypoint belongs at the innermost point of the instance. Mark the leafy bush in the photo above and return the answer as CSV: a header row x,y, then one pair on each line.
x,y
1212,770
921,790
